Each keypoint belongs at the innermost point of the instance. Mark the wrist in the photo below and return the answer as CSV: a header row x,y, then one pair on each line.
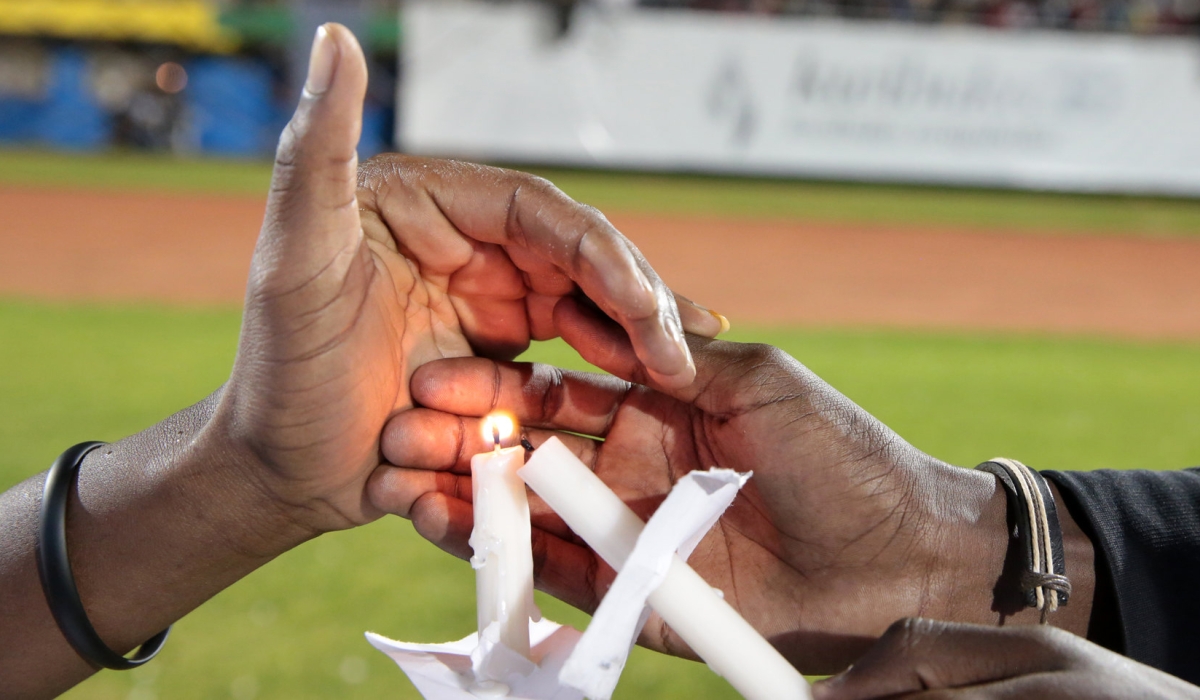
x,y
980,562
972,548
162,520
255,518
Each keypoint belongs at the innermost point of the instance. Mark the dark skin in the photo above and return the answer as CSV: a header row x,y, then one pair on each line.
x,y
358,278
840,507
929,660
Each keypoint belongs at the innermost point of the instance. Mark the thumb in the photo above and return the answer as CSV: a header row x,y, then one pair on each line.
x,y
312,219
917,654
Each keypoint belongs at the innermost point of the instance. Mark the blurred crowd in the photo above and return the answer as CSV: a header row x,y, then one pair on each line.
x,y
220,76
190,76
1170,17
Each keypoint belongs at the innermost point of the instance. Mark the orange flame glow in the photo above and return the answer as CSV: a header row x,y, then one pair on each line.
x,y
498,426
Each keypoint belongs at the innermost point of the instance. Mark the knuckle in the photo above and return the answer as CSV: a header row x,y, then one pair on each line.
x,y
376,163
762,355
594,217
1053,641
460,448
584,250
387,169
497,387
584,215
549,384
283,176
454,486
290,140
534,183
905,635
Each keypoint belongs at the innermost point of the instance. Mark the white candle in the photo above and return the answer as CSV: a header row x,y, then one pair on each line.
x,y
701,617
503,555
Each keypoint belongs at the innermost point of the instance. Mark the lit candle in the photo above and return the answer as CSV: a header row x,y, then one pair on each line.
x,y
697,613
503,555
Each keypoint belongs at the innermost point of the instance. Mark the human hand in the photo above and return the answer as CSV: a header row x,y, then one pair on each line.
x,y
920,658
498,249
844,528
341,307
359,277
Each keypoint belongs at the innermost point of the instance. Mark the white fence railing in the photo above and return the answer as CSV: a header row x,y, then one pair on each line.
x,y
823,98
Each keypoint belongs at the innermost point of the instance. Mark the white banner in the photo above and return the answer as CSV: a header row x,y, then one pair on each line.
x,y
676,90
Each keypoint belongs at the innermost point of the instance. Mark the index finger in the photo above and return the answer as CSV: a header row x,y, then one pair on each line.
x,y
511,208
541,396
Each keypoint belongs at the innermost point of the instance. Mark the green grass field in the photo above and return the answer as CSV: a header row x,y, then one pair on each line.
x,y
294,628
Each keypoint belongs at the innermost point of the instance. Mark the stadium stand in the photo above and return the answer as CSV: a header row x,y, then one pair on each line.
x,y
1168,17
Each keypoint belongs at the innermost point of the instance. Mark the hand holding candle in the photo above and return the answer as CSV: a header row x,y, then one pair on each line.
x,y
713,629
832,541
565,665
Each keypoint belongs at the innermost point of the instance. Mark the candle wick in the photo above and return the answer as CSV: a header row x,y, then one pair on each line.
x,y
496,436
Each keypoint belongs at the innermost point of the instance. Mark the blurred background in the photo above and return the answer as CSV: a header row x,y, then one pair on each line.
x,y
186,76
976,218
1061,94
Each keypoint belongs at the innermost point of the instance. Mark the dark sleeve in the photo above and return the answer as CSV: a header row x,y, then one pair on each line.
x,y
1146,529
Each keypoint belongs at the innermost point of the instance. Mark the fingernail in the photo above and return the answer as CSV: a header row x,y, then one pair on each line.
x,y
321,63
724,321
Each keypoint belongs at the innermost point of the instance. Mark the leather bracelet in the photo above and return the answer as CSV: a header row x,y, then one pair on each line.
x,y
1044,583
58,582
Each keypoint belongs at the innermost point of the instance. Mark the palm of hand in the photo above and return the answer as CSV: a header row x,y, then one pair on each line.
x,y
826,499
839,508
353,336
438,259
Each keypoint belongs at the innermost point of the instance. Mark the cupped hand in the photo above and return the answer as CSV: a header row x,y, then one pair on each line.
x,y
359,277
929,659
495,250
844,527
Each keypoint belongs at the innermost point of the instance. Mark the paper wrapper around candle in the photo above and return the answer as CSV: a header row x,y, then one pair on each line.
x,y
694,505
697,613
563,665
443,671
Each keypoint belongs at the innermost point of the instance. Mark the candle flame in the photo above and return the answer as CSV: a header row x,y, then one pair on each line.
x,y
498,426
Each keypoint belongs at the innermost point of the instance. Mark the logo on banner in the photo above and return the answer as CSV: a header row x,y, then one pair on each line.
x,y
731,102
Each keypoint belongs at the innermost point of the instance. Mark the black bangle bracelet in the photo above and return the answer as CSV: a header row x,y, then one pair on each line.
x,y
58,583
